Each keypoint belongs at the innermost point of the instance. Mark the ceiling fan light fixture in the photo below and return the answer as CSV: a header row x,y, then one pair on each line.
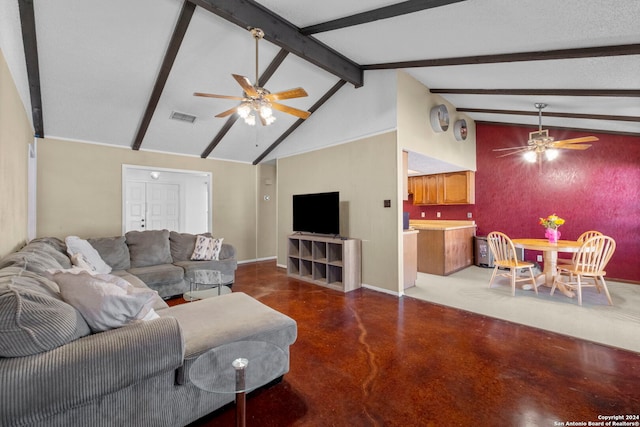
x,y
551,153
250,120
244,110
266,111
530,156
259,99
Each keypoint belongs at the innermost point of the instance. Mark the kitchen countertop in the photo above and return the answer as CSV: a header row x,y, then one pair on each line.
x,y
434,224
410,230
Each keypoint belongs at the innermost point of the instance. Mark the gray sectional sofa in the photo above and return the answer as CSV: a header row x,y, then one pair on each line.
x,y
55,372
160,258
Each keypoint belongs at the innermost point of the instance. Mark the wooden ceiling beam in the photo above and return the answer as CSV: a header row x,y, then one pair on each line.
x,y
167,63
28,24
386,12
550,114
544,55
586,130
298,122
546,92
248,14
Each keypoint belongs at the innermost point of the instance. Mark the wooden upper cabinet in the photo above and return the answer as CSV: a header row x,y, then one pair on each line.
x,y
417,188
432,189
459,188
455,188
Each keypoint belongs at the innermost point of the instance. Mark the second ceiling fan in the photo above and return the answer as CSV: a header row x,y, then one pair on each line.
x,y
258,99
540,143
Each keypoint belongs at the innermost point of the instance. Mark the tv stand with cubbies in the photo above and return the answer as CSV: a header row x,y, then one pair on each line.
x,y
326,261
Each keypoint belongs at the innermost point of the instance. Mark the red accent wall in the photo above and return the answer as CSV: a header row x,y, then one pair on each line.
x,y
595,189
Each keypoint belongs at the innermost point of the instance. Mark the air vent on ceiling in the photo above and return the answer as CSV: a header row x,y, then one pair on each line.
x,y
175,115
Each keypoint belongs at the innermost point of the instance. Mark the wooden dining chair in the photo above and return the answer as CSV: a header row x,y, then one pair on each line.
x,y
504,256
584,236
589,262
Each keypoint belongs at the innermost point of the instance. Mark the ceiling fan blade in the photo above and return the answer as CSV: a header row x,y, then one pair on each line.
x,y
573,147
515,152
576,140
290,110
287,94
246,85
227,113
211,95
510,148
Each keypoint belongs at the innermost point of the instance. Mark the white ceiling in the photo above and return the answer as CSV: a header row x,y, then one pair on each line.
x,y
98,63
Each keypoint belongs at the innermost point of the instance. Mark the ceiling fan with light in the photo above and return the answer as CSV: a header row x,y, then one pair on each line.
x,y
540,142
259,99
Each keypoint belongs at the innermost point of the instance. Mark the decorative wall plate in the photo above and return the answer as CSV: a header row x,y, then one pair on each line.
x,y
440,118
460,130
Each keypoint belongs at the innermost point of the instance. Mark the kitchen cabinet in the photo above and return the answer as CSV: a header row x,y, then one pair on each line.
x,y
454,188
444,247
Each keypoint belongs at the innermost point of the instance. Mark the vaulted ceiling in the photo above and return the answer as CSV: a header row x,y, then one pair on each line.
x,y
113,72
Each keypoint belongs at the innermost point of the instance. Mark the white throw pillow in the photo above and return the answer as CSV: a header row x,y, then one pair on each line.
x,y
80,261
77,245
105,301
207,248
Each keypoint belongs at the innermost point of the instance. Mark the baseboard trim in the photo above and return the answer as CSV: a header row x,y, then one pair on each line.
x,y
383,290
247,261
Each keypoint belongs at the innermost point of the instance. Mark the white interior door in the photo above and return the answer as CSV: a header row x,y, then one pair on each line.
x,y
163,206
135,206
152,206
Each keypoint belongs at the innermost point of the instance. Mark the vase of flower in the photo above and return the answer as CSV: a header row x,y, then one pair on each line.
x,y
553,234
551,224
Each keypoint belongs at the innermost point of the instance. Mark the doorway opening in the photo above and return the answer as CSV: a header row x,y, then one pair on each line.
x,y
160,198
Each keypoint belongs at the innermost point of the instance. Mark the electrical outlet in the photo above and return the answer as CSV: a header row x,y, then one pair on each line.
x,y
422,214
469,215
539,258
438,215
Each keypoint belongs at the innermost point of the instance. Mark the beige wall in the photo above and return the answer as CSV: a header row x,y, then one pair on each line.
x,y
365,173
414,127
80,191
16,134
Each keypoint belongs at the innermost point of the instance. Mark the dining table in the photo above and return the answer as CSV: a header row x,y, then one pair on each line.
x,y
550,257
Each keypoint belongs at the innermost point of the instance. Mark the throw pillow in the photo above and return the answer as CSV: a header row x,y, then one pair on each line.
x,y
207,248
105,301
80,261
77,245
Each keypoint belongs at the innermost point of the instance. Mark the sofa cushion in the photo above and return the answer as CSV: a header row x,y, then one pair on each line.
x,y
77,245
158,274
104,300
113,250
183,244
33,318
149,247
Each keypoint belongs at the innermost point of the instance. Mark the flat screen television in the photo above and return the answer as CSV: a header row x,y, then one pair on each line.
x,y
317,213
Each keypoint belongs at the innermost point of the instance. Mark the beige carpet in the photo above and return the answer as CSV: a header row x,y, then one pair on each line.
x,y
616,326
